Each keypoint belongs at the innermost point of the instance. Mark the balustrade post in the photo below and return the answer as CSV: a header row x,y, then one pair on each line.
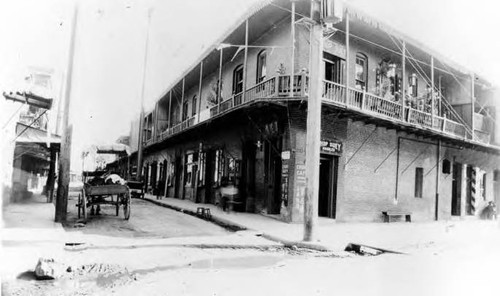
x,y
363,99
444,124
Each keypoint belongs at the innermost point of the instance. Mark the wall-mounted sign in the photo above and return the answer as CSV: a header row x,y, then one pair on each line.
x,y
285,155
331,147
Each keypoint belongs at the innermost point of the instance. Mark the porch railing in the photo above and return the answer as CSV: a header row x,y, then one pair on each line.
x,y
369,103
376,104
264,89
300,85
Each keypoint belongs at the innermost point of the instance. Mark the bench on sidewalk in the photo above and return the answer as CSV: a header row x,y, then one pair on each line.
x,y
396,213
203,212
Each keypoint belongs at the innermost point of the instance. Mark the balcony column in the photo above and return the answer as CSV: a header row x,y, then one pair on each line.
x,y
403,81
169,111
292,56
245,61
182,102
433,100
199,91
472,99
347,54
219,86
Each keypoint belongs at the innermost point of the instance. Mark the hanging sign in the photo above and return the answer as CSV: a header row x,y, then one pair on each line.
x,y
330,147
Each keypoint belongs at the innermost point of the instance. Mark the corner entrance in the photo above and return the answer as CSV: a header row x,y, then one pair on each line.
x,y
327,199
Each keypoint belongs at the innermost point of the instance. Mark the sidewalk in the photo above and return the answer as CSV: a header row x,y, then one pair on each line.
x,y
399,236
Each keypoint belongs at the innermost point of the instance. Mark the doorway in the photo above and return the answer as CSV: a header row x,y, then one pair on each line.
x,y
456,191
272,165
178,174
327,199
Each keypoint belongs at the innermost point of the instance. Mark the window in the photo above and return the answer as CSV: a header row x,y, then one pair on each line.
x,y
483,186
361,71
261,66
419,182
413,84
201,176
188,178
185,110
193,110
334,68
219,166
238,79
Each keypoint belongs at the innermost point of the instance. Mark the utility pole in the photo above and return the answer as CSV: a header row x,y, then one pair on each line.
x,y
313,126
65,154
141,117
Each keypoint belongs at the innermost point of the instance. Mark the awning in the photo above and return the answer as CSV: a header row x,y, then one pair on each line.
x,y
119,149
28,134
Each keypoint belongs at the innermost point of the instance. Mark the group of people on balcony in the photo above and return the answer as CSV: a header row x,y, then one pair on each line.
x,y
389,87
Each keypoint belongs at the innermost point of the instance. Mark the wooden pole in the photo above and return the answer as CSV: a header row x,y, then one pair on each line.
x,y
199,90
433,101
219,90
182,102
245,61
170,110
472,99
347,54
403,81
438,169
292,55
141,122
65,152
313,130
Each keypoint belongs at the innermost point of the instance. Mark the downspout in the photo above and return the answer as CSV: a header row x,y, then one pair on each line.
x,y
436,214
397,172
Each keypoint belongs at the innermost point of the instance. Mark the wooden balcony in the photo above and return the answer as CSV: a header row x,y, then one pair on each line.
x,y
385,109
278,88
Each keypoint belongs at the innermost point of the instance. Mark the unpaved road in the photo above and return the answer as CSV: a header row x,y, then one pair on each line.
x,y
146,220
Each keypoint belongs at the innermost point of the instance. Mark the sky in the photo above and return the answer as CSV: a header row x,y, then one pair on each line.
x,y
110,47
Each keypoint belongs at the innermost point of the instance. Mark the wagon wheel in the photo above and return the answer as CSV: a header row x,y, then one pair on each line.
x,y
118,199
126,205
83,205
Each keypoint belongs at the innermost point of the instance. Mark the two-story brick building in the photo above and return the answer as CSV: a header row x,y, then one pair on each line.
x,y
402,126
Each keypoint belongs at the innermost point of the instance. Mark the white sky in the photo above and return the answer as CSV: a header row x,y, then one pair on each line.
x,y
111,35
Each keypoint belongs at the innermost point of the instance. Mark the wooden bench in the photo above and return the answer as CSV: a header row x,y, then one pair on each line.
x,y
396,213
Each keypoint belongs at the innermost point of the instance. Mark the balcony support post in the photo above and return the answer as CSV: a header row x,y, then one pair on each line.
x,y
199,91
347,55
472,99
403,82
219,86
169,123
433,100
245,61
292,56
182,102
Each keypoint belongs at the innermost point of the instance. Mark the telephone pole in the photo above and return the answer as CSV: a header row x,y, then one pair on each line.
x,y
141,116
313,126
65,151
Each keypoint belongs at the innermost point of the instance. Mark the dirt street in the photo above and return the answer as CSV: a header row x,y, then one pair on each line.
x,y
146,220
163,252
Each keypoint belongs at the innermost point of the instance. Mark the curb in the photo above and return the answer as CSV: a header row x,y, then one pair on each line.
x,y
216,220
237,227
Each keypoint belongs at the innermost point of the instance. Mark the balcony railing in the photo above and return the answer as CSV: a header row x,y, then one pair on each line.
x,y
300,85
372,104
279,88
